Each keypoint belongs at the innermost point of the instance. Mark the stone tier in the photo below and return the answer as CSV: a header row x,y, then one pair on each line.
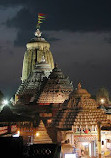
x,y
57,88
80,111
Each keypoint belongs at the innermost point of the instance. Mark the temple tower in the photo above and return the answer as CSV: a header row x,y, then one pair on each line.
x,y
36,48
32,84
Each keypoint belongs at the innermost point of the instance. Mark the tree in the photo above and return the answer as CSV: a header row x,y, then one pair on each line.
x,y
102,96
1,96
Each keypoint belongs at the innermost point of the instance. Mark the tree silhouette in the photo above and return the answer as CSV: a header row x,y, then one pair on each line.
x,y
1,96
102,93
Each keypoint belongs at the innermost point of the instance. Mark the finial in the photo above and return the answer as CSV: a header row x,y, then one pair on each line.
x,y
79,85
38,33
41,18
43,59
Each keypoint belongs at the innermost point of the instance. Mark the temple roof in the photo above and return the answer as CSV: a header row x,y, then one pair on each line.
x,y
37,41
80,92
57,73
57,88
81,111
42,137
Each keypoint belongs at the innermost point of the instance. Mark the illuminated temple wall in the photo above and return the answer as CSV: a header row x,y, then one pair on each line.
x,y
35,52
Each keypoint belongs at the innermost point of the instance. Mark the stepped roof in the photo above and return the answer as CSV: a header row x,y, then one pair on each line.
x,y
42,136
81,111
57,88
80,92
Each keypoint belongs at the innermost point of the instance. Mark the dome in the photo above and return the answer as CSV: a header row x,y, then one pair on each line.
x,y
38,42
79,92
57,88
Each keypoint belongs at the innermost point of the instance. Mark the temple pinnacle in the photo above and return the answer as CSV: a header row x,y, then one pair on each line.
x,y
38,33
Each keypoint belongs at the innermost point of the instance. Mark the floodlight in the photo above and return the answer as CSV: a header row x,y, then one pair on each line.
x,y
5,102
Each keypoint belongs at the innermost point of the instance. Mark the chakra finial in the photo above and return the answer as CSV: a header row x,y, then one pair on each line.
x,y
38,33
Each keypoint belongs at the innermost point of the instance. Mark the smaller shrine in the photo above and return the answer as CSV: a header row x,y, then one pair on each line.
x,y
79,122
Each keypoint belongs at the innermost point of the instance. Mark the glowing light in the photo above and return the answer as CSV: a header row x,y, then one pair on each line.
x,y
49,121
70,155
85,143
17,134
5,102
37,134
102,100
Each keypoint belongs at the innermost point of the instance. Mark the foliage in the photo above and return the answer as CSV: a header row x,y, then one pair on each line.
x,y
1,96
102,93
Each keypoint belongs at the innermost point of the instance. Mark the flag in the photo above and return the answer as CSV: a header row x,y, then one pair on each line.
x,y
41,17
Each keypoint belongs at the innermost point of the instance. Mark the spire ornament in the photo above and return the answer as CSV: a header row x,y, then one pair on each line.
x,y
38,33
41,18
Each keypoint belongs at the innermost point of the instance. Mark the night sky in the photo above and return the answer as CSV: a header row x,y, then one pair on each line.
x,y
79,32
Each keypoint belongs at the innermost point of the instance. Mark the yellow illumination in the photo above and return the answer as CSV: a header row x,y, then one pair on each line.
x,y
102,100
37,134
18,132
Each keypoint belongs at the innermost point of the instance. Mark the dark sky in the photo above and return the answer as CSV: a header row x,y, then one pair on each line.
x,y
79,32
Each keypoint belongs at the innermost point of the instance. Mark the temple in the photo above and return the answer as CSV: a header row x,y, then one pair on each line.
x,y
52,111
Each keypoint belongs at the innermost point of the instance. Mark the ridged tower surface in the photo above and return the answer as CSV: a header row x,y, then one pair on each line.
x,y
36,48
31,86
